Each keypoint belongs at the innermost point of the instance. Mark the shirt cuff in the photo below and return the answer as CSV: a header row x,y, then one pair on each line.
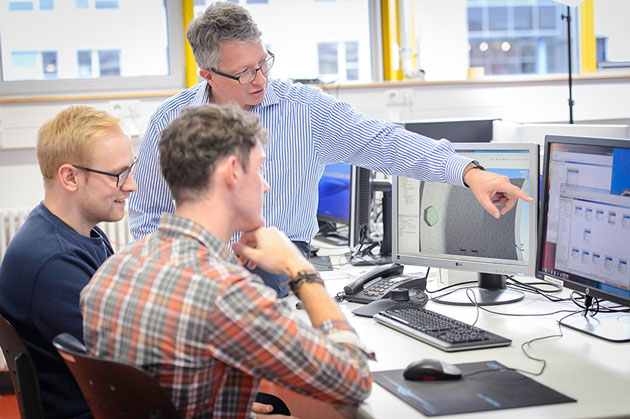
x,y
454,172
339,331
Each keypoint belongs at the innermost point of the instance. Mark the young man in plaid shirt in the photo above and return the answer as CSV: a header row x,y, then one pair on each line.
x,y
179,303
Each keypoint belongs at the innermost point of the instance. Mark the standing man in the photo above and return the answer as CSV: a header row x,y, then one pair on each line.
x,y
180,305
308,130
86,160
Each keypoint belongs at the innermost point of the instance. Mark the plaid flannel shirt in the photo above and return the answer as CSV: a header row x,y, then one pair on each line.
x,y
178,304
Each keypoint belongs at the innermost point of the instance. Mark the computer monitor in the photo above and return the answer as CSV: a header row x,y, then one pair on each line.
x,y
584,230
456,131
362,218
443,226
333,208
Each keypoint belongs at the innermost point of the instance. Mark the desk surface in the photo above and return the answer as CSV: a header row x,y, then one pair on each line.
x,y
594,372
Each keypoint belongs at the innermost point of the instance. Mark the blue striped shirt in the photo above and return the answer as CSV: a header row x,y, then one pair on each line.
x,y
308,130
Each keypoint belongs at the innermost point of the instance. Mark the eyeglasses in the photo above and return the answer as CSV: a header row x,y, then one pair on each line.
x,y
248,76
121,178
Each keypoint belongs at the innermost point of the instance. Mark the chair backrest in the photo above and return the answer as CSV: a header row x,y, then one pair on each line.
x,y
22,369
114,389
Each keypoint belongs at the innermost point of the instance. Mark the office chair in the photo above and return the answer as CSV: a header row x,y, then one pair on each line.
x,y
22,370
113,389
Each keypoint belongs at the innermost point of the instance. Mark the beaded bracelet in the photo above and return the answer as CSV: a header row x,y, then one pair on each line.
x,y
301,278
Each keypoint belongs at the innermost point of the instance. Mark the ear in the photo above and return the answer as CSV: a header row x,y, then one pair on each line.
x,y
230,171
207,76
67,175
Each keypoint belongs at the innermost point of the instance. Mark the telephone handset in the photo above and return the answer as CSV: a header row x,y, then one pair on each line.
x,y
380,281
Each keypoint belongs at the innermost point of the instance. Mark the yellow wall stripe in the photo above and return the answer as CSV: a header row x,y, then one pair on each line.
x,y
391,61
191,65
587,37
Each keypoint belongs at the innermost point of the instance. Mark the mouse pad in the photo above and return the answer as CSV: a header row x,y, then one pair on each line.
x,y
497,389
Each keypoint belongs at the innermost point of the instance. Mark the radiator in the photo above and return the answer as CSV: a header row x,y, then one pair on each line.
x,y
117,233
12,219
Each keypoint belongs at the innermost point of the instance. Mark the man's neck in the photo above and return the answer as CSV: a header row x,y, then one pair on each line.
x,y
69,213
211,217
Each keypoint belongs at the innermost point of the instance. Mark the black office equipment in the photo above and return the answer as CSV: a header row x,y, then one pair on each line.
x,y
496,389
379,282
438,330
398,297
444,226
22,370
584,230
456,131
428,369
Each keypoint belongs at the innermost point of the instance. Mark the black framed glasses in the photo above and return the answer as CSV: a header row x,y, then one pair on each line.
x,y
248,76
121,178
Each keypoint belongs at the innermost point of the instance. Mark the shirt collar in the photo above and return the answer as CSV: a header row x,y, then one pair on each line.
x,y
271,97
176,227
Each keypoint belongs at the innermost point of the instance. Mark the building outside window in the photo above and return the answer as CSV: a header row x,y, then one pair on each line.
x,y
314,39
125,44
520,36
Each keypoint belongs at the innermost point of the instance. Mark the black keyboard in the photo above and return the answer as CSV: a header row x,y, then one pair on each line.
x,y
438,330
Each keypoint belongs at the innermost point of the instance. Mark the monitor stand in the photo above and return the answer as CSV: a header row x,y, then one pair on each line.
x,y
370,260
614,327
490,291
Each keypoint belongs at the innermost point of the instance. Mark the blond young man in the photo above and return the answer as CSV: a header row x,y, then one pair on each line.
x,y
86,161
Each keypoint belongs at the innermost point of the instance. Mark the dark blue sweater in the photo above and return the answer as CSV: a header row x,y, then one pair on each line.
x,y
43,271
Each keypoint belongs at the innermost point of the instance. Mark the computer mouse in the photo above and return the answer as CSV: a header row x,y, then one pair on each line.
x,y
431,369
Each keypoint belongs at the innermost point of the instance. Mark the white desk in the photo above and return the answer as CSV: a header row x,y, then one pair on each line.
x,y
594,372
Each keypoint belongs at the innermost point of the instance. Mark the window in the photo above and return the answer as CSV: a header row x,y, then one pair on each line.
x,y
49,64
109,63
20,6
106,4
84,62
314,39
518,37
131,46
328,58
46,4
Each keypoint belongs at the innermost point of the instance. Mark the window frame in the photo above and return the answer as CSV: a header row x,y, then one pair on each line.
x,y
173,81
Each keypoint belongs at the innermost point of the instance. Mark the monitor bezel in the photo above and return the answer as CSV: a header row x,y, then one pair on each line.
x,y
572,282
478,266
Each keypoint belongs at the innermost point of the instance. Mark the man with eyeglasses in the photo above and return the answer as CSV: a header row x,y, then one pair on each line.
x,y
308,130
86,162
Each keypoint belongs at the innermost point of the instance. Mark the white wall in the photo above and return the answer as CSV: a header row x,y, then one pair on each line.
x,y
545,101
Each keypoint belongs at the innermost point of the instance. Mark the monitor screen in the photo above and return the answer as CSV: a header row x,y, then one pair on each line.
x,y
334,194
443,226
584,231
456,131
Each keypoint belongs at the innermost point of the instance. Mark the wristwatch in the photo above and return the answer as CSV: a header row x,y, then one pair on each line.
x,y
475,165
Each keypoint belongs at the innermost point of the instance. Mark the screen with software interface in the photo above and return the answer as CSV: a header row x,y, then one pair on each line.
x,y
587,219
446,222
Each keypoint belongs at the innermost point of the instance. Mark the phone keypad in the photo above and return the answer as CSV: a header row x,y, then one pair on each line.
x,y
382,287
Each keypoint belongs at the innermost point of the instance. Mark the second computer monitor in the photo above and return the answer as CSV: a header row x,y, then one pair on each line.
x,y
443,226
